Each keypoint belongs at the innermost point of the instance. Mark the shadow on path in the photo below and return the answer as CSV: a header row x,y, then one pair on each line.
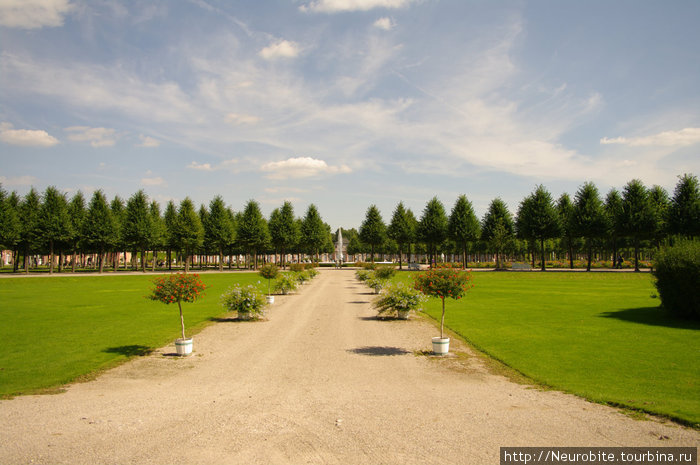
x,y
378,351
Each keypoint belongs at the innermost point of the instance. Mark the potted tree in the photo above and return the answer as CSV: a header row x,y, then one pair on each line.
x,y
247,301
399,298
269,272
178,288
443,282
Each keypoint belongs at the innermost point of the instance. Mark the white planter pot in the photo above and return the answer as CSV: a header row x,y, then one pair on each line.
x,y
441,345
270,299
183,346
402,314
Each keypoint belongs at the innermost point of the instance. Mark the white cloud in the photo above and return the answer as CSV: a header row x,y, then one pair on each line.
x,y
18,181
158,181
33,14
682,138
200,166
98,137
147,141
301,167
26,137
384,23
233,118
280,49
336,6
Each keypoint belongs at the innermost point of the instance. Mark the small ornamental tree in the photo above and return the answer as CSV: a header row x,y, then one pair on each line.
x,y
443,282
178,288
269,272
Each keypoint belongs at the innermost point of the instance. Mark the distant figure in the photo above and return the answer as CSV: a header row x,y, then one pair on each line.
x,y
619,262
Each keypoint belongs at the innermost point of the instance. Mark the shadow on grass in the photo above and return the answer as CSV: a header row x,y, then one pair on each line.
x,y
653,316
130,351
378,351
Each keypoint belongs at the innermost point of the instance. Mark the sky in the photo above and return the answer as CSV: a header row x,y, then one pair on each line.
x,y
347,103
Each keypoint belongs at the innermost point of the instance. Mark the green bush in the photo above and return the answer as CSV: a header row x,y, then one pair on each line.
x,y
677,272
399,297
285,283
385,272
296,267
246,300
363,275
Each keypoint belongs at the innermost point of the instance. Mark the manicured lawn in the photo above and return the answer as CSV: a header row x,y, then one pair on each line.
x,y
598,335
54,330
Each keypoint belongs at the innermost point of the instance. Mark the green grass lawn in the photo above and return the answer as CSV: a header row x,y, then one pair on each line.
x,y
55,330
598,335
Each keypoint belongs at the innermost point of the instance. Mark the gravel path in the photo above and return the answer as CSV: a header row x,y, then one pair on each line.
x,y
321,381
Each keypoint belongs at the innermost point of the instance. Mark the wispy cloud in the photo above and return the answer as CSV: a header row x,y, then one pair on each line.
x,y
280,49
157,181
336,6
33,14
301,167
681,138
384,23
147,141
18,181
234,118
200,166
98,137
26,137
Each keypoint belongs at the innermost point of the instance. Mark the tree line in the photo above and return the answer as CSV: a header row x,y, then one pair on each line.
x,y
51,224
636,217
587,224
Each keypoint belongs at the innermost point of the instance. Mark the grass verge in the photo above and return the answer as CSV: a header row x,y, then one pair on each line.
x,y
63,329
600,336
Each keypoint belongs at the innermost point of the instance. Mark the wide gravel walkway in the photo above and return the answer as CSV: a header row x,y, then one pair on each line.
x,y
320,381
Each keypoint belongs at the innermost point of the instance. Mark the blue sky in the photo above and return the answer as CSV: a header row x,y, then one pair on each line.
x,y
347,103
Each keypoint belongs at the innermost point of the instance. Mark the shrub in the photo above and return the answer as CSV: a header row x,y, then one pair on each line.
x,y
246,300
677,272
178,288
363,275
399,297
285,283
302,276
296,267
444,282
376,284
384,272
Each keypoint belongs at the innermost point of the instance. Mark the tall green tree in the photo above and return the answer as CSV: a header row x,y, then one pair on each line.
x,y
170,220
119,214
205,248
565,210
373,229
10,228
99,231
252,232
613,212
589,221
313,231
402,229
76,213
463,225
158,233
218,228
660,204
537,219
137,228
637,215
29,220
284,233
684,211
189,232
497,229
432,227
54,223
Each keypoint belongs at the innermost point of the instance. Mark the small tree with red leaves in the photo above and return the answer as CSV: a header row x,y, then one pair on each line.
x,y
178,288
443,282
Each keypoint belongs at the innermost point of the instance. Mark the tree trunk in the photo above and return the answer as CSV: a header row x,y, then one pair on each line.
x,y
15,260
102,260
221,258
182,319
590,255
542,246
51,256
170,259
155,258
464,256
187,266
636,254
143,261
75,259
442,320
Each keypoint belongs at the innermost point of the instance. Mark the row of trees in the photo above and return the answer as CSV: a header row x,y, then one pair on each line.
x,y
52,224
637,216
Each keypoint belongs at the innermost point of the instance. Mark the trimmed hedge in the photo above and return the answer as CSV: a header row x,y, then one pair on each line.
x,y
677,272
